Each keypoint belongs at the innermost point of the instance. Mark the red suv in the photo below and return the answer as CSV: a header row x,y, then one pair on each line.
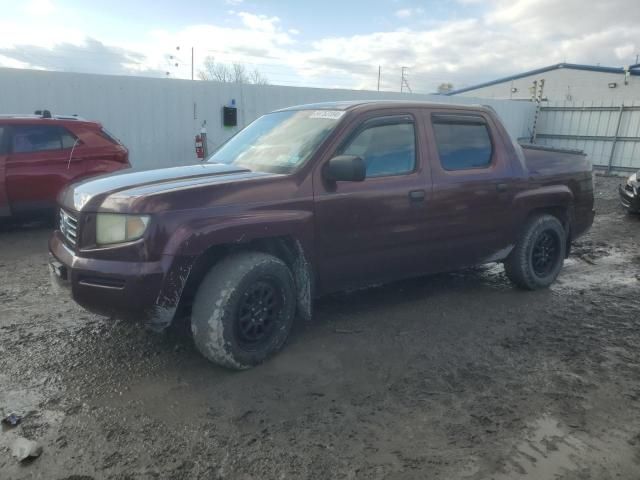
x,y
40,154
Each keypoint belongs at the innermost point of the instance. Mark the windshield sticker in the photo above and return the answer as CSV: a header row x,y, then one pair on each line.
x,y
327,114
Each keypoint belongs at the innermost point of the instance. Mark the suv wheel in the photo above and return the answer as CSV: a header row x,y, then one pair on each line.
x,y
537,258
243,310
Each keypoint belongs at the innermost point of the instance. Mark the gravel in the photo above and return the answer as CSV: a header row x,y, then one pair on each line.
x,y
450,376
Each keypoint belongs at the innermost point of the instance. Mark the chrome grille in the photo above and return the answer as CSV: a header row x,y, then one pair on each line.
x,y
69,227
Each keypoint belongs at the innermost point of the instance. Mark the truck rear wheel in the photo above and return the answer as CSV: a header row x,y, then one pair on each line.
x,y
537,258
243,310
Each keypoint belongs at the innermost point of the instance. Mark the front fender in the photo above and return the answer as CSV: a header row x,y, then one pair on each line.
x,y
194,237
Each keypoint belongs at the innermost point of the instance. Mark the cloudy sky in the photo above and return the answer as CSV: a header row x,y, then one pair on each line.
x,y
328,43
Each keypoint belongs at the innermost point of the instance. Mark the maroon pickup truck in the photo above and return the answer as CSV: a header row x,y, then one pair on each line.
x,y
310,200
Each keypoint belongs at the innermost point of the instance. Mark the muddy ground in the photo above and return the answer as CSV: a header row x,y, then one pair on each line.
x,y
452,376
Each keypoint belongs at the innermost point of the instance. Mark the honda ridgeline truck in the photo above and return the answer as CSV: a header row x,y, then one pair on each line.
x,y
315,199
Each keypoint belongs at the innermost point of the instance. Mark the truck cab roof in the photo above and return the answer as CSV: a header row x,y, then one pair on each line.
x,y
358,104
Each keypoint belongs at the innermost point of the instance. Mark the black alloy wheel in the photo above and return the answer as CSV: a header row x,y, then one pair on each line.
x,y
544,255
258,314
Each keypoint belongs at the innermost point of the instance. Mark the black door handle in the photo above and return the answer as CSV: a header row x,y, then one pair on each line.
x,y
502,187
416,195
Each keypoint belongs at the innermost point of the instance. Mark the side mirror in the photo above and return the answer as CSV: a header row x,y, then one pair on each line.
x,y
345,168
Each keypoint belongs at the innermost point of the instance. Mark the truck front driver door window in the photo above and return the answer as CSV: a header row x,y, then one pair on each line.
x,y
385,149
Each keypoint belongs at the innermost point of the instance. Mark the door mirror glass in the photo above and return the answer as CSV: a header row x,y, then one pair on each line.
x,y
345,168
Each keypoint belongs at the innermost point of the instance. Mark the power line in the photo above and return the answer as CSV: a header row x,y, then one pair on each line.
x,y
306,74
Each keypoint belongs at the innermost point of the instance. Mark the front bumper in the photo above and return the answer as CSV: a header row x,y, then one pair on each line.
x,y
629,200
147,291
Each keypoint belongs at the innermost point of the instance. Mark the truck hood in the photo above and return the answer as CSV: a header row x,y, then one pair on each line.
x,y
114,192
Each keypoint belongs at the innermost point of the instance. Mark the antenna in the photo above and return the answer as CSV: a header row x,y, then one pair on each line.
x,y
404,82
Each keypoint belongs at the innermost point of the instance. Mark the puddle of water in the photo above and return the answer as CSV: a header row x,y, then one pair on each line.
x,y
16,399
547,453
614,270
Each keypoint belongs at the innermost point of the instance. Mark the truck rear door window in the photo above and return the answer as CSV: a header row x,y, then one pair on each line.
x,y
386,149
463,144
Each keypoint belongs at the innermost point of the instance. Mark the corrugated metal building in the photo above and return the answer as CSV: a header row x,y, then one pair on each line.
x,y
564,82
157,118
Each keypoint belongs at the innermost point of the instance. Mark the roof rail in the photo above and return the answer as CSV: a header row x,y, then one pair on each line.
x,y
43,113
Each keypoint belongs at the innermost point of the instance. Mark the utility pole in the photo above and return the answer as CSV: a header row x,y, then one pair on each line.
x,y
177,61
379,69
404,81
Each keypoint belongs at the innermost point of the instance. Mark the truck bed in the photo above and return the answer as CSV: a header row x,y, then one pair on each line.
x,y
543,160
548,166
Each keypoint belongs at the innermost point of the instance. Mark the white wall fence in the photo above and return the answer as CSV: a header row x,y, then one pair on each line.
x,y
609,133
157,119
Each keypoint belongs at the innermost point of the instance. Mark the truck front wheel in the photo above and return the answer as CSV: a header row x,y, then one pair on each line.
x,y
537,258
243,310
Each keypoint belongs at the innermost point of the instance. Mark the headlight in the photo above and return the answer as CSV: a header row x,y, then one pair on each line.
x,y
117,228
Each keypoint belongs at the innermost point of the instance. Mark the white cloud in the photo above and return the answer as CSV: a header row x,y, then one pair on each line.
x,y
16,34
408,12
625,52
259,22
87,56
512,36
12,62
39,7
233,2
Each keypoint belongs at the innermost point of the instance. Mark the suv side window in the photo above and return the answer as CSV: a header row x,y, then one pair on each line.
x,y
388,149
2,144
37,138
67,138
463,142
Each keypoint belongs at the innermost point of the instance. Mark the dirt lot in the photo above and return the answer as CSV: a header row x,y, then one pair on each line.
x,y
452,376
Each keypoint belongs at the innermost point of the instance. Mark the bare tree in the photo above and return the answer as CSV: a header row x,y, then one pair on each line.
x,y
445,87
256,77
234,73
217,72
239,73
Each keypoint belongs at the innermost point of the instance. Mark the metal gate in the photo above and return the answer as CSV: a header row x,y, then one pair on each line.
x,y
609,134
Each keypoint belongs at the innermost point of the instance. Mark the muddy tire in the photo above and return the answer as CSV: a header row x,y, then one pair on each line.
x,y
537,258
243,310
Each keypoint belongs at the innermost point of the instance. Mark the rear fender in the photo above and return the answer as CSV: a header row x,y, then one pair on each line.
x,y
557,200
548,197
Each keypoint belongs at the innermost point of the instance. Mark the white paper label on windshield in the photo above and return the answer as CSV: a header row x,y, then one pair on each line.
x,y
327,114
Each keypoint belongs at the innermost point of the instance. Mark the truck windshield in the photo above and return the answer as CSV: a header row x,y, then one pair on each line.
x,y
278,142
